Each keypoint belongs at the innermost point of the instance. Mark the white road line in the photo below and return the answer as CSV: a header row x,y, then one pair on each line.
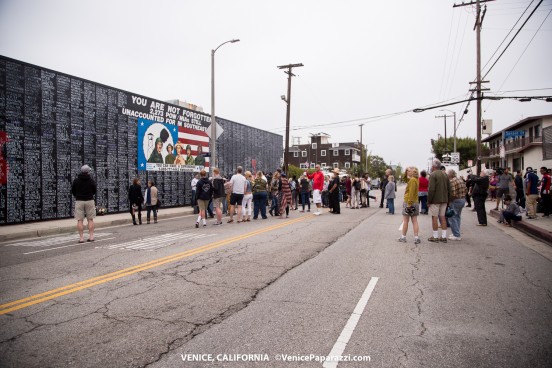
x,y
165,241
66,246
51,241
158,241
140,241
343,339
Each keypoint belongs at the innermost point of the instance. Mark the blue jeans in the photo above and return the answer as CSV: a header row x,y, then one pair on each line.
x,y
422,196
274,206
305,198
391,205
224,205
455,220
259,204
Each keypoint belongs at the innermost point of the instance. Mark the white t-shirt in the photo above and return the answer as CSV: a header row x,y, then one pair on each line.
x,y
194,183
238,183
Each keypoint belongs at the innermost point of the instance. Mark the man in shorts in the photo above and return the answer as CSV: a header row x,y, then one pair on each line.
x,y
439,194
218,194
84,190
317,186
238,190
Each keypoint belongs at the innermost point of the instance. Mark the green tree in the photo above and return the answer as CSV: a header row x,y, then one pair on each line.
x,y
467,147
398,172
376,166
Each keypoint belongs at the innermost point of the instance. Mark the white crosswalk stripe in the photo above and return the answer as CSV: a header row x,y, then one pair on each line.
x,y
158,241
57,240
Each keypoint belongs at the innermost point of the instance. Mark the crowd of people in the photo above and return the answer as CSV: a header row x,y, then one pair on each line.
x,y
441,194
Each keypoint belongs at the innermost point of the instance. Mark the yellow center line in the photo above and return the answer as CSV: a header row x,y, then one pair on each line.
x,y
68,289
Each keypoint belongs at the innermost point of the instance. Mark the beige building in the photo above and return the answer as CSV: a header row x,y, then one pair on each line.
x,y
526,143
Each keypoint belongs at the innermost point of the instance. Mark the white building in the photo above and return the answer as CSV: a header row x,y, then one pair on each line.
x,y
527,143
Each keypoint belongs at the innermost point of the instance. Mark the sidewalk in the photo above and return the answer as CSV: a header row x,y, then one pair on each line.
x,y
65,226
541,228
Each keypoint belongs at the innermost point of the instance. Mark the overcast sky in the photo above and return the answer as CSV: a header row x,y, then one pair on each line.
x,y
362,59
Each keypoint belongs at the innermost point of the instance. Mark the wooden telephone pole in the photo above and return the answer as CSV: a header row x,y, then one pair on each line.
x,y
477,28
289,68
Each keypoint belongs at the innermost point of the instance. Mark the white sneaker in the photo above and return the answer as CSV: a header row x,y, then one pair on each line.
x,y
452,237
317,213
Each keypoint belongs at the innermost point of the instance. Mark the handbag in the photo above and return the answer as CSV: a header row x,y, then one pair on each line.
x,y
449,213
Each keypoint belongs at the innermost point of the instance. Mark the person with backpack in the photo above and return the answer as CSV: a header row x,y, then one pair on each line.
x,y
204,192
260,195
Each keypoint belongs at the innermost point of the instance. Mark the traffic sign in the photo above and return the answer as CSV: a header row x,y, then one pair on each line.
x,y
455,157
219,131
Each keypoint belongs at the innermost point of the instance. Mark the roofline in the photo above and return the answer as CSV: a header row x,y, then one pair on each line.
x,y
519,123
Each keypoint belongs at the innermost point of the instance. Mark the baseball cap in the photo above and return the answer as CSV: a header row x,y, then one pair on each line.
x,y
85,169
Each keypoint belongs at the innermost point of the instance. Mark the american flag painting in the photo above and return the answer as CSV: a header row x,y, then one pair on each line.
x,y
168,147
198,140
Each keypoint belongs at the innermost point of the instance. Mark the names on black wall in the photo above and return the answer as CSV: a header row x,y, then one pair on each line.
x,y
53,123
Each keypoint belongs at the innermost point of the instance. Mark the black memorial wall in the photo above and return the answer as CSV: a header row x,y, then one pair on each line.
x,y
52,123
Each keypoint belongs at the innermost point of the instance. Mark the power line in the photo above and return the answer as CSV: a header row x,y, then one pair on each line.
x,y
512,40
523,53
506,37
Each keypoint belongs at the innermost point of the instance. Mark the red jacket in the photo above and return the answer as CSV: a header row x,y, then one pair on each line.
x,y
318,180
424,183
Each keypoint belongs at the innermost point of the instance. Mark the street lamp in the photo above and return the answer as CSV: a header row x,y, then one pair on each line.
x,y
454,149
212,148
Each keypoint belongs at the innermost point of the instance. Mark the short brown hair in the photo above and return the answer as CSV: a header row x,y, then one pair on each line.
x,y
203,173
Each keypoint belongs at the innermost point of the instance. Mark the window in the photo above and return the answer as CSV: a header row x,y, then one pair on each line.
x,y
323,165
312,165
313,146
295,154
304,154
537,131
336,165
323,153
336,152
347,152
347,165
303,166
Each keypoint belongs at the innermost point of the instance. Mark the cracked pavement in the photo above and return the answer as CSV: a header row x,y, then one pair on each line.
x,y
481,302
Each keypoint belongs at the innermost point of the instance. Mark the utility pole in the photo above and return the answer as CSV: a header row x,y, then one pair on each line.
x,y
361,146
445,117
289,68
477,28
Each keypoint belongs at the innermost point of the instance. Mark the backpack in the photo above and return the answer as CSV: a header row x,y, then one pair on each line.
x,y
357,185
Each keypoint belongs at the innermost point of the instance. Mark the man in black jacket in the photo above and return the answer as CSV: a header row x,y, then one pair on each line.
x,y
520,194
84,190
479,195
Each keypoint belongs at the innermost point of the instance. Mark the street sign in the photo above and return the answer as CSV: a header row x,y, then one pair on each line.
x,y
219,131
514,134
455,157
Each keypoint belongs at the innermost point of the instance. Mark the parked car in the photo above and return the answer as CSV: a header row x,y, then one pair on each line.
x,y
375,184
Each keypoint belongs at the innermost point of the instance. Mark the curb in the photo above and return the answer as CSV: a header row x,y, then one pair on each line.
x,y
528,228
39,233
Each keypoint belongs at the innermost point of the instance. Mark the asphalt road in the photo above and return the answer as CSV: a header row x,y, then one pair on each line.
x,y
277,293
